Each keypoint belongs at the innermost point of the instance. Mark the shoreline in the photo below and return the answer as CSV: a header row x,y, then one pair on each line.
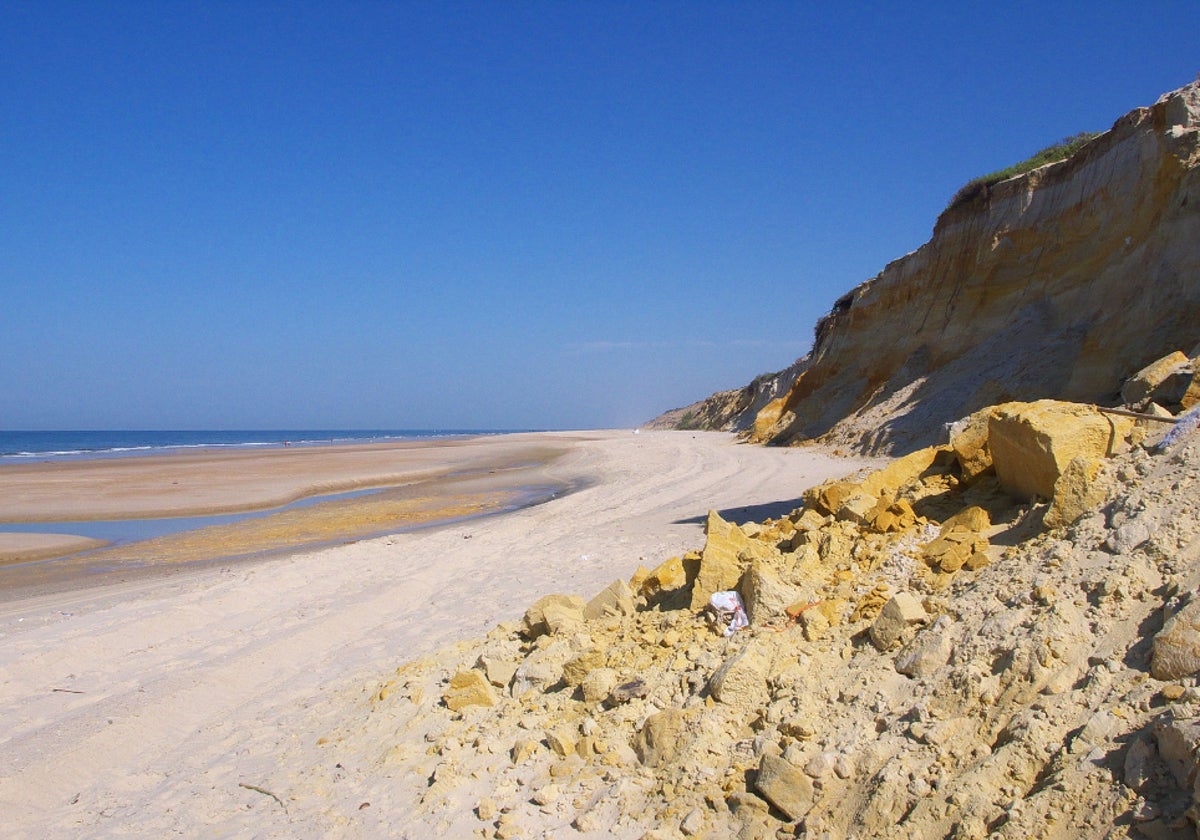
x,y
472,482
218,481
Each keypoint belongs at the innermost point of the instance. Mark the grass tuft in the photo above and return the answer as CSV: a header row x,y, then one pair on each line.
x,y
1051,154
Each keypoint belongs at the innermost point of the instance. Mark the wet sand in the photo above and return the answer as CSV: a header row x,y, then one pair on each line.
x,y
421,483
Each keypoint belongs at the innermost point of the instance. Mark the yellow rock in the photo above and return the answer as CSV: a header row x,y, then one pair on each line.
x,y
727,552
577,668
954,548
468,688
1076,492
639,578
1139,387
829,497
1032,443
973,518
808,520
553,614
904,471
897,516
667,576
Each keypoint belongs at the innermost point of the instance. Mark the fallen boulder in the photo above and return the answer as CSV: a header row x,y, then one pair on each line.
x,y
726,555
1141,387
468,688
553,614
1177,645
1033,443
897,615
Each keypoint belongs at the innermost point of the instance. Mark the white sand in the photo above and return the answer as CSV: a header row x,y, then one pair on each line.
x,y
145,709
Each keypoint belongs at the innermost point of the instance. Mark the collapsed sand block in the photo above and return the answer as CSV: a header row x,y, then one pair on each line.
x,y
1142,385
615,599
784,786
553,614
726,555
766,595
1032,443
468,688
1177,645
902,472
898,614
857,501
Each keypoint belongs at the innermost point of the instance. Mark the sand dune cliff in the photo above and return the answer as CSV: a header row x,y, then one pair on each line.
x,y
1061,282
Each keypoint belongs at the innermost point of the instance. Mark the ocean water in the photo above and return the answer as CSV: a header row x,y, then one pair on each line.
x,y
57,445
27,446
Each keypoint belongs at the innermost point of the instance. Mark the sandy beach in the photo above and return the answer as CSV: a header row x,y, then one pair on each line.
x,y
167,703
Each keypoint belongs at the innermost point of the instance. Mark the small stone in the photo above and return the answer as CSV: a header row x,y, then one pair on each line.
x,y
693,823
897,614
577,668
590,821
1172,692
486,809
820,765
561,741
523,749
787,788
547,795
499,672
1176,651
843,766
661,738
469,688
927,652
616,599
1127,537
598,683
507,826
628,691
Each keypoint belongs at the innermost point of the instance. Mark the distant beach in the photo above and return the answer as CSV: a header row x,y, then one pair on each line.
x,y
153,501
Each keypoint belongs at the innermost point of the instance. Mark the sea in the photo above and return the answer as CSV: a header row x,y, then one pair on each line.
x,y
17,446
29,446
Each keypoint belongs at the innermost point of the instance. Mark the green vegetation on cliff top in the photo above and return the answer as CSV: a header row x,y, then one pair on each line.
x,y
1051,154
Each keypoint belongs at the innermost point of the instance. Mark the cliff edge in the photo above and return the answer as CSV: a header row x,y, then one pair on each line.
x,y
1061,282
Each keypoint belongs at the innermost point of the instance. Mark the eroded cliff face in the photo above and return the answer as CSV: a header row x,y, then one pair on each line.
x,y
733,410
1058,283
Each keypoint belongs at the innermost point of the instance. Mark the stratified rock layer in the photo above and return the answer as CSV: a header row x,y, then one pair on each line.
x,y
1062,282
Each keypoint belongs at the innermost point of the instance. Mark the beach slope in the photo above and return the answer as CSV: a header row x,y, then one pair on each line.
x,y
193,703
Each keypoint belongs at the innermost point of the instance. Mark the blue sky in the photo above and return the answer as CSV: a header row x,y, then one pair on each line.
x,y
494,214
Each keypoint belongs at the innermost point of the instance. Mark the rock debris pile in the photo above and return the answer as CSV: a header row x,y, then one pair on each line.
x,y
997,637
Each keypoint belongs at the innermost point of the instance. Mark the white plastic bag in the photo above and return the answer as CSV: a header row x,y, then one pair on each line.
x,y
729,607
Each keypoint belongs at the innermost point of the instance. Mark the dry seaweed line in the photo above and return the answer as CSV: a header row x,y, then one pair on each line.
x,y
264,792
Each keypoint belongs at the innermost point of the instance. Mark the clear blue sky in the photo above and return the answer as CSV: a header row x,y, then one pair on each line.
x,y
494,214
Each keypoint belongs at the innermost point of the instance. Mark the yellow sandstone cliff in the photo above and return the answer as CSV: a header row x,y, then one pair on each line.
x,y
1061,283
